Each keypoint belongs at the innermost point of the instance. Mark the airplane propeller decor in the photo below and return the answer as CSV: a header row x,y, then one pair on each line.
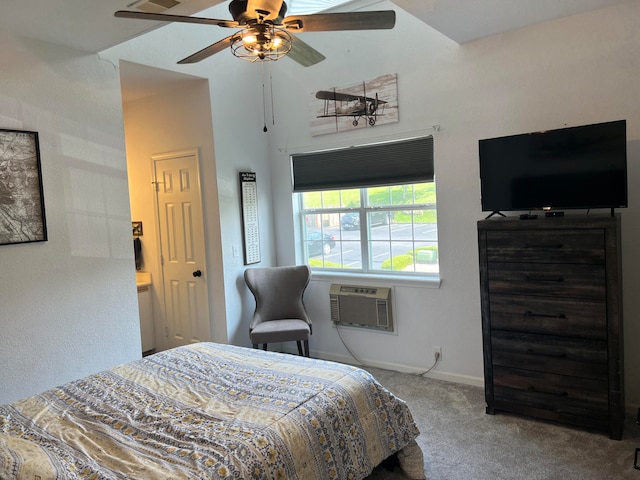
x,y
267,34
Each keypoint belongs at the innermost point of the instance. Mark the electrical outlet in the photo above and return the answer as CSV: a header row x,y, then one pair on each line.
x,y
437,353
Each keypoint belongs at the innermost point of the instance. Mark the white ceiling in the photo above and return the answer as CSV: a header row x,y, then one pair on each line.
x,y
467,20
87,25
90,25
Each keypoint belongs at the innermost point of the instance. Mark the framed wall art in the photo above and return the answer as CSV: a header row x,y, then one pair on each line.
x,y
360,105
22,218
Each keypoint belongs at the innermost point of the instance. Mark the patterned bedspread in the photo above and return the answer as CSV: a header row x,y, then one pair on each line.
x,y
208,411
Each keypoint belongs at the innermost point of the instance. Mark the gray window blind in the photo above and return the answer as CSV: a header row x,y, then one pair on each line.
x,y
391,163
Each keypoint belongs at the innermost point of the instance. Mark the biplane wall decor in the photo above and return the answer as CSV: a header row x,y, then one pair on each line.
x,y
360,105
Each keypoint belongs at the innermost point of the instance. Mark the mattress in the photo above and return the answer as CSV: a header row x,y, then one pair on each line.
x,y
210,411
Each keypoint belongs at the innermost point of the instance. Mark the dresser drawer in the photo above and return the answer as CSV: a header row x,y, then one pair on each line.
x,y
557,280
548,353
552,330
546,246
581,318
578,401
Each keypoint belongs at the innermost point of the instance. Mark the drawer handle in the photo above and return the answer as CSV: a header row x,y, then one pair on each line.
x,y
531,351
544,279
529,313
543,245
557,394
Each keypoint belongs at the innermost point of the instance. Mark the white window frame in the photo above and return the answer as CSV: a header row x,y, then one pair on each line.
x,y
363,210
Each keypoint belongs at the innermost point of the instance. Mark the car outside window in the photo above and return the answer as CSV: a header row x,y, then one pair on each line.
x,y
384,229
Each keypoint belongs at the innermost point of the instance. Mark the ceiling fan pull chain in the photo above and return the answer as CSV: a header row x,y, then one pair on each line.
x,y
264,101
273,114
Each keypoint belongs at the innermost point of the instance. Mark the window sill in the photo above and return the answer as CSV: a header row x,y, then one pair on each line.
x,y
417,281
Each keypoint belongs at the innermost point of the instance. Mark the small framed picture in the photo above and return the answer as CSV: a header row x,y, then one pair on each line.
x,y
22,218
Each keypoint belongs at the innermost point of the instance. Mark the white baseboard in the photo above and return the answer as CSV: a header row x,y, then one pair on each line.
x,y
397,367
631,408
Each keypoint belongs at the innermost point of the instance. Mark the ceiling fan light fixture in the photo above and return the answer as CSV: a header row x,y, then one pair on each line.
x,y
249,40
261,42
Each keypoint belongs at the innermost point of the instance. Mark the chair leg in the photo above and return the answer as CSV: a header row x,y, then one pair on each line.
x,y
299,347
306,348
264,346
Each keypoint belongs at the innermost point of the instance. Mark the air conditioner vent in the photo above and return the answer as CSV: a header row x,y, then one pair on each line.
x,y
383,313
154,6
360,306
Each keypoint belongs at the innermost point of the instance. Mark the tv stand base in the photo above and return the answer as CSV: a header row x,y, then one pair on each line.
x,y
495,212
554,214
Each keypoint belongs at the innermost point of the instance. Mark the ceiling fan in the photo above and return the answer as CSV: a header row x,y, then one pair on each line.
x,y
266,34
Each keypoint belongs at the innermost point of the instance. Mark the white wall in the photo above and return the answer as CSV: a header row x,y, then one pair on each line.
x,y
235,104
68,305
567,72
572,71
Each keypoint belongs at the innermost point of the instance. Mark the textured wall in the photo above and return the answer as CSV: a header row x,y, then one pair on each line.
x,y
68,305
572,71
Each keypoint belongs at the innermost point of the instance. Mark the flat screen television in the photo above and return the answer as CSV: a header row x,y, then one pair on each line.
x,y
580,167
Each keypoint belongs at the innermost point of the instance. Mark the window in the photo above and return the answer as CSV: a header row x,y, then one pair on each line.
x,y
385,225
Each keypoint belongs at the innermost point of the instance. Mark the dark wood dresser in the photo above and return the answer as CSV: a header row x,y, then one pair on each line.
x,y
551,294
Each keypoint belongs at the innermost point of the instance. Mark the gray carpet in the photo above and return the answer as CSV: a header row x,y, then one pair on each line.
x,y
461,442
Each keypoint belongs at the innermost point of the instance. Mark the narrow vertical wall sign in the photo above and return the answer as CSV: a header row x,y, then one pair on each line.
x,y
251,232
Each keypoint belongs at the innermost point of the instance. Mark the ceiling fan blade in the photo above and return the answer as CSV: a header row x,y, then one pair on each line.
x,y
324,22
161,17
208,51
303,53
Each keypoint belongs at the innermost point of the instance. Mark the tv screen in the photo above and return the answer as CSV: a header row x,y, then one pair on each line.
x,y
570,168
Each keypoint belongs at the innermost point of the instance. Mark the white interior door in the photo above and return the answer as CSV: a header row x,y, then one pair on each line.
x,y
182,247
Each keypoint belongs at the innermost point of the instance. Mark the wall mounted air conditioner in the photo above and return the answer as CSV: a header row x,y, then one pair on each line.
x,y
359,306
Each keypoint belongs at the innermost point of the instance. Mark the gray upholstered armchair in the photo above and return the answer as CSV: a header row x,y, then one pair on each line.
x,y
280,314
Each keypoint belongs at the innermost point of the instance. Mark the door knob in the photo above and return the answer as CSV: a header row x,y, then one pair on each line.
x,y
197,273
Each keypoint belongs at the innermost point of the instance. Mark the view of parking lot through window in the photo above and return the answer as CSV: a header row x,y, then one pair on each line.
x,y
389,229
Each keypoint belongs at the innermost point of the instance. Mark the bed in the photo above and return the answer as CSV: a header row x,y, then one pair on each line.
x,y
210,411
